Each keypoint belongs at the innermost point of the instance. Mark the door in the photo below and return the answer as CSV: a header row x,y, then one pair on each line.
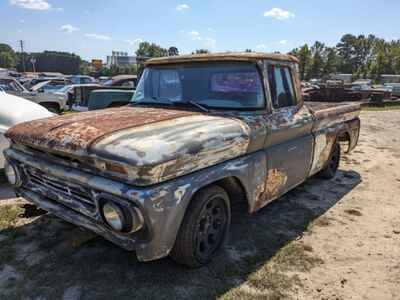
x,y
289,142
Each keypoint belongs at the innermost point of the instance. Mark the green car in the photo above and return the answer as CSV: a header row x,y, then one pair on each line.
x,y
102,98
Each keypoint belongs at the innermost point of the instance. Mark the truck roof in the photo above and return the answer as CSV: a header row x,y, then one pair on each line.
x,y
227,56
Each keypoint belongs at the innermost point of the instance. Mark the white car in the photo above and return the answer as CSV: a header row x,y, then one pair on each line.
x,y
14,110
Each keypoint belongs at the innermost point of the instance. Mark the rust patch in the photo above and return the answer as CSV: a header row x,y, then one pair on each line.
x,y
273,187
75,133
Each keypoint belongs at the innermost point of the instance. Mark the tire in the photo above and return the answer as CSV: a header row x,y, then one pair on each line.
x,y
329,171
51,107
204,229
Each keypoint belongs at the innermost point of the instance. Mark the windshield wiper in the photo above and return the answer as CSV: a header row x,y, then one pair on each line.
x,y
198,105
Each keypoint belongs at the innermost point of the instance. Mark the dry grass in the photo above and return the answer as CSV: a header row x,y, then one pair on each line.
x,y
9,216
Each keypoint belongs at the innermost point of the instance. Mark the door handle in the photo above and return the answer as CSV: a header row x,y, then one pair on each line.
x,y
292,149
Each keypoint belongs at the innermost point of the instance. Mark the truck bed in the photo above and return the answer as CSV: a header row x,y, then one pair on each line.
x,y
329,114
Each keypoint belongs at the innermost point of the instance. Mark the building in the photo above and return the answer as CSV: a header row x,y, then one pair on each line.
x,y
120,59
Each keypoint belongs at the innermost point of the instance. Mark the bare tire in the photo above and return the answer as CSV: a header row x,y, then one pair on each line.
x,y
204,228
329,171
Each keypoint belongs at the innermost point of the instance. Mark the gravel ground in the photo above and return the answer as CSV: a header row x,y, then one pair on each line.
x,y
337,239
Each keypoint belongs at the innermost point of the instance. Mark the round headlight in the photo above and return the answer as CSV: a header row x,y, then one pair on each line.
x,y
12,174
113,216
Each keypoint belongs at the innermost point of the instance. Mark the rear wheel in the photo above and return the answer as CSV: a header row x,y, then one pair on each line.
x,y
329,171
204,228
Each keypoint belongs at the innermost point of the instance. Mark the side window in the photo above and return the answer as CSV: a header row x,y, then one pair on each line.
x,y
281,86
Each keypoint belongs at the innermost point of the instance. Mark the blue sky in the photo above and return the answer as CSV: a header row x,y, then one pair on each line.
x,y
93,28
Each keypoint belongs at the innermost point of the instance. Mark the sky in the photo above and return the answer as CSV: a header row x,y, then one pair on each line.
x,y
94,28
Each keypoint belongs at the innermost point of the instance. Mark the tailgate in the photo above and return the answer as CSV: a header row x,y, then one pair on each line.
x,y
330,114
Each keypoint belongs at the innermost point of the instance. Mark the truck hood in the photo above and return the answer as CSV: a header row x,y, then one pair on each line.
x,y
153,144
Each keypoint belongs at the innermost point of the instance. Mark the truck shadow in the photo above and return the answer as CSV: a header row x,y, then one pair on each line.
x,y
46,265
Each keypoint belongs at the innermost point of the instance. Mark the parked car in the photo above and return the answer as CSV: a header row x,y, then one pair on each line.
x,y
102,98
103,79
15,110
29,84
127,81
11,86
394,87
81,79
63,95
204,131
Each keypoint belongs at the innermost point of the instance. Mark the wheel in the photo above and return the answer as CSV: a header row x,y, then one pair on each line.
x,y
51,107
329,171
204,228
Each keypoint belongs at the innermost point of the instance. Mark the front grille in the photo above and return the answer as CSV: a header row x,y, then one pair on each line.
x,y
73,195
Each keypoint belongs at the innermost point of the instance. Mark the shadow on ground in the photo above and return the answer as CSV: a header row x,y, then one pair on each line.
x,y
42,259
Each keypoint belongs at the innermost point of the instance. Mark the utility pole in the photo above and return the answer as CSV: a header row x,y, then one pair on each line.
x,y
21,44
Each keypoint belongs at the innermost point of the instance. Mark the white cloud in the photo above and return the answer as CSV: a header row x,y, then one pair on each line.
x,y
283,42
32,4
68,28
134,42
279,14
98,36
261,47
182,7
195,35
210,43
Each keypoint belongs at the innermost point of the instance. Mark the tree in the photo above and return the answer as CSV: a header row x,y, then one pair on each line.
x,y
303,54
317,61
173,51
147,50
8,58
331,63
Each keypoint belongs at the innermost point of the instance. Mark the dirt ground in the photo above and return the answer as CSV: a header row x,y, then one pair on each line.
x,y
337,239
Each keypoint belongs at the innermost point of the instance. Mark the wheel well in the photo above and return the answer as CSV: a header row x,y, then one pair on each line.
x,y
117,104
50,104
344,137
236,192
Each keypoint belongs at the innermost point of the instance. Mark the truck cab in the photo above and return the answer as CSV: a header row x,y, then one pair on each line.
x,y
202,131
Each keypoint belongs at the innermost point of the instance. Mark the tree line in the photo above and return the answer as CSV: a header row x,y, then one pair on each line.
x,y
362,56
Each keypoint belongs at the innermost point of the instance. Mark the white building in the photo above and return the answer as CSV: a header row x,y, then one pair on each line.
x,y
120,59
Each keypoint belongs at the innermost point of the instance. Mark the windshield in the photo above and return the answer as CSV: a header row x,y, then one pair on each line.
x,y
231,86
64,89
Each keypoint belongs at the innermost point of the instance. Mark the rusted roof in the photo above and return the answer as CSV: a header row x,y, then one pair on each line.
x,y
226,56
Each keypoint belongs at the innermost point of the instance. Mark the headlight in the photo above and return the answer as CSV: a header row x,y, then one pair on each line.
x,y
121,218
114,216
12,174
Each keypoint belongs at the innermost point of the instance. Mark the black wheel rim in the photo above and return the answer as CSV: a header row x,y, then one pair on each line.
x,y
334,162
211,228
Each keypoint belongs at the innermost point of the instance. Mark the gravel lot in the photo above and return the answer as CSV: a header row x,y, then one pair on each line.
x,y
337,239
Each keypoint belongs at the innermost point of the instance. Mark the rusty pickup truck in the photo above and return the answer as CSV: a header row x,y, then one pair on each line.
x,y
160,175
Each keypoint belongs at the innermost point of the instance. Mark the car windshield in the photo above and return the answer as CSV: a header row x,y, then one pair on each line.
x,y
64,89
225,86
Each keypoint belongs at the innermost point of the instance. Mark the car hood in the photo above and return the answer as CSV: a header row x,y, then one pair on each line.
x,y
153,144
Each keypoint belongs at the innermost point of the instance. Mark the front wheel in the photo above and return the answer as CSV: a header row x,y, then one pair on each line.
x,y
204,228
329,171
